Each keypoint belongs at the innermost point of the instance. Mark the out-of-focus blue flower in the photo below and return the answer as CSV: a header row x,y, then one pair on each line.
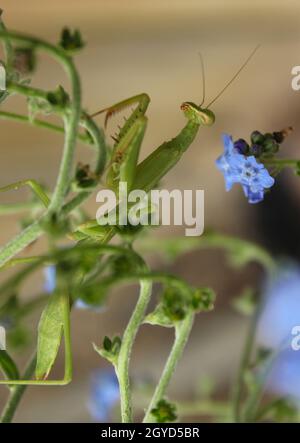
x,y
280,314
284,377
80,304
104,394
281,311
238,168
50,278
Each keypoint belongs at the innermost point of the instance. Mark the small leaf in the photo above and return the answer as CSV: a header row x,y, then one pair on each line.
x,y
158,318
71,41
246,302
59,97
164,412
49,335
107,344
8,366
110,349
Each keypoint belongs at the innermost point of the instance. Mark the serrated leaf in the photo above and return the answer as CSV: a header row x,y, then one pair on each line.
x,y
49,335
8,366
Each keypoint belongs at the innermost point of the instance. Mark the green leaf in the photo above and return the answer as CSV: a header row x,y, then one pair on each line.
x,y
107,344
110,349
8,366
158,317
59,97
164,412
246,302
71,41
49,335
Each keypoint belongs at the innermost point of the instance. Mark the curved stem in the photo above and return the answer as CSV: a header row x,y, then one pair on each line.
x,y
245,250
16,394
182,332
71,124
122,368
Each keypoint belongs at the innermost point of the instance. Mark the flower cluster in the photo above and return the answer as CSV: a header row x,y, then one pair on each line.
x,y
239,167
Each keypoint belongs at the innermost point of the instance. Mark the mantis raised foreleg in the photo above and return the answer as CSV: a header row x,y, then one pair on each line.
x,y
128,140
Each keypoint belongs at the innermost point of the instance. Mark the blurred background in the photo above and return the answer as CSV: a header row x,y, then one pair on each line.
x,y
141,46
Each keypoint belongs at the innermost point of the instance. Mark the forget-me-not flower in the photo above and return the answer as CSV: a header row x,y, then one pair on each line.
x,y
246,170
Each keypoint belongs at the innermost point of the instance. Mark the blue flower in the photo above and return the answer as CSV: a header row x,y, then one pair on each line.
x,y
281,310
280,313
284,377
50,278
104,394
238,168
80,304
228,162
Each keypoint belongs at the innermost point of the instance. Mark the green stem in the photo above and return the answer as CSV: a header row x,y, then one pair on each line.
x,y
16,394
281,161
71,123
182,332
122,368
245,360
5,115
245,251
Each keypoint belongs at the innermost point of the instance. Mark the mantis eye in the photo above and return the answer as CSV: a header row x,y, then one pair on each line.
x,y
197,114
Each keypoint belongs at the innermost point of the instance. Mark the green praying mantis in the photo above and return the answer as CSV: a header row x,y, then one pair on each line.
x,y
123,166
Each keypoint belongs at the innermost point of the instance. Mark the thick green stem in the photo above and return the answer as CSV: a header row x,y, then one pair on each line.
x,y
182,332
122,368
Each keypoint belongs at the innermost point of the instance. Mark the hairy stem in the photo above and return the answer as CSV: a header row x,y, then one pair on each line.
x,y
182,332
122,368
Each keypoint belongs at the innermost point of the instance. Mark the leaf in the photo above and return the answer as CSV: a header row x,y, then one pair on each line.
x,y
164,412
49,335
107,344
8,366
158,318
246,302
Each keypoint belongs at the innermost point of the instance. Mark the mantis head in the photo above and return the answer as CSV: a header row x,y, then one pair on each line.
x,y
199,115
204,116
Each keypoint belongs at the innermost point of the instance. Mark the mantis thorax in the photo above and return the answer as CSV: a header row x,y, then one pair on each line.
x,y
197,114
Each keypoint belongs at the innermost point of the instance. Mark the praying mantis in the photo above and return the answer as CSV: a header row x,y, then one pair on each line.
x,y
123,166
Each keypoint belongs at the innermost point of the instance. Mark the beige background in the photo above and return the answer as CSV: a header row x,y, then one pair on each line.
x,y
152,46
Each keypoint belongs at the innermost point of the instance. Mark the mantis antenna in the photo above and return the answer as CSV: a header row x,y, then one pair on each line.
x,y
203,78
235,76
